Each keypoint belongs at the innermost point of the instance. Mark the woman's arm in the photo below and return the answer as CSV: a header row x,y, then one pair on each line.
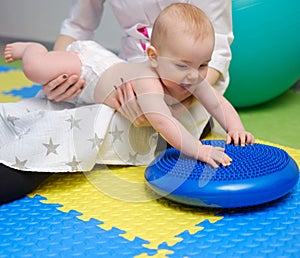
x,y
84,19
62,42
220,14
212,76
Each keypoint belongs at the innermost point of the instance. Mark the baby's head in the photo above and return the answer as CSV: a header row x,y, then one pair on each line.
x,y
180,20
182,43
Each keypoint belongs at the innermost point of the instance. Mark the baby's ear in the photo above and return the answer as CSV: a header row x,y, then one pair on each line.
x,y
153,56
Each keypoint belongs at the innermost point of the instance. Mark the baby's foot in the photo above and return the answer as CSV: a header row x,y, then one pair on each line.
x,y
14,51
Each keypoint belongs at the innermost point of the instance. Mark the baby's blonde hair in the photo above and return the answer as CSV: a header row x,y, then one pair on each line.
x,y
193,21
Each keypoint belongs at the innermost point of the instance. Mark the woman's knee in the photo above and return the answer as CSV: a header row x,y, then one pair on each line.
x,y
15,184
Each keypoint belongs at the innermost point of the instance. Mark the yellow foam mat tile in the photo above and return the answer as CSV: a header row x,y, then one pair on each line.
x,y
13,79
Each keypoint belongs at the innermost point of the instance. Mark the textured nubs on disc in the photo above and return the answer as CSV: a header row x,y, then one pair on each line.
x,y
251,161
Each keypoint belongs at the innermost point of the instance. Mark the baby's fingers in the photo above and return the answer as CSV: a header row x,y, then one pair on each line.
x,y
238,138
250,138
219,156
241,139
212,163
226,160
233,137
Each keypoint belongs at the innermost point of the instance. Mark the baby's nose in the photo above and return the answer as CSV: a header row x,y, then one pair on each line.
x,y
193,75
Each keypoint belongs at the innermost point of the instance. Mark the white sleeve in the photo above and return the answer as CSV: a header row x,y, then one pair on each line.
x,y
84,19
220,14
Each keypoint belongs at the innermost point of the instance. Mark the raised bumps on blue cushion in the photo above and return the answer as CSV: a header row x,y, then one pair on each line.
x,y
259,173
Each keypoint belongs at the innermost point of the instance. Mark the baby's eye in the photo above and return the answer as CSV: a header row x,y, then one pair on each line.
x,y
182,66
203,66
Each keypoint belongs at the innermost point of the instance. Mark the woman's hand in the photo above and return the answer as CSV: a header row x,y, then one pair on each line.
x,y
63,88
129,106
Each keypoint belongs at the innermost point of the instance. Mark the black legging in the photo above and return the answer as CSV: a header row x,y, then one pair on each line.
x,y
15,184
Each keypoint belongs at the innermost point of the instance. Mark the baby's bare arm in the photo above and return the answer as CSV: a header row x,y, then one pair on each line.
x,y
159,115
221,109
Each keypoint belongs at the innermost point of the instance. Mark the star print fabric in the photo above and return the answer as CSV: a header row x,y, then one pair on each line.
x,y
40,135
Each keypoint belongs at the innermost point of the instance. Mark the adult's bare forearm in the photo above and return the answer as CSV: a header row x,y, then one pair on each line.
x,y
62,42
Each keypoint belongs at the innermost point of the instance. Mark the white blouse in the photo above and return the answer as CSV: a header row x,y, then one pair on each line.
x,y
132,15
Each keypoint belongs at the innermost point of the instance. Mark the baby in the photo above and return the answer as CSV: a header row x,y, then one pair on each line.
x,y
182,43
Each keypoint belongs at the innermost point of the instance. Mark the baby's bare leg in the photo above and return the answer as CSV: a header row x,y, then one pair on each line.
x,y
38,64
15,51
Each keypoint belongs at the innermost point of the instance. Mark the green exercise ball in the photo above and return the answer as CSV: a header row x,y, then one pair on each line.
x,y
265,51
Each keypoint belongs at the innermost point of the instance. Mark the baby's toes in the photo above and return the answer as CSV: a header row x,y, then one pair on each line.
x,y
8,55
8,58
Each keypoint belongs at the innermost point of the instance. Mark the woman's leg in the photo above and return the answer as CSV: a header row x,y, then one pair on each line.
x,y
39,65
15,184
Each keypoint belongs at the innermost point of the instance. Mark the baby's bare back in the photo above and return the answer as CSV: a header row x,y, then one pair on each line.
x,y
105,91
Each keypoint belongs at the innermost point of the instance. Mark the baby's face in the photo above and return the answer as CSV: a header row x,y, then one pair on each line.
x,y
183,62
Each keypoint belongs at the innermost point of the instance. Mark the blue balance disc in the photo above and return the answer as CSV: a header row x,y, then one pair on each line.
x,y
258,173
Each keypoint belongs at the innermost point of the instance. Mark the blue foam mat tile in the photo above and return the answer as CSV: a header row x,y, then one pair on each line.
x,y
5,68
29,228
25,92
269,230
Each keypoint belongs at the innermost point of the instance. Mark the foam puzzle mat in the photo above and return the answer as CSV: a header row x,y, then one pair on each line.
x,y
69,216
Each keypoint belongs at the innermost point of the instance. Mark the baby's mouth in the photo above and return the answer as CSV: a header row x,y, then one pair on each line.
x,y
185,86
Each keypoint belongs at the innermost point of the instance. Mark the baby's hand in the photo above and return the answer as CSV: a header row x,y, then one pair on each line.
x,y
239,137
214,156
